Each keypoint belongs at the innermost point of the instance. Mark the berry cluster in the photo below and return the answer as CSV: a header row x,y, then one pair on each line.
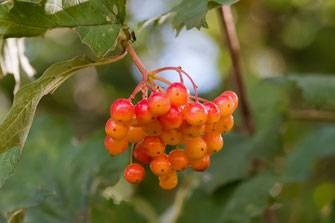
x,y
168,118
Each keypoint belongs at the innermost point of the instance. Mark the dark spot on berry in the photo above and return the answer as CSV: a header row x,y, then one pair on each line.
x,y
201,120
158,105
114,130
158,152
190,135
202,149
172,139
136,181
177,94
162,170
155,132
215,150
152,118
119,120
228,106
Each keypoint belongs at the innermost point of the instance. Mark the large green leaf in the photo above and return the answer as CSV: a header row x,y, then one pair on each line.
x,y
98,22
14,129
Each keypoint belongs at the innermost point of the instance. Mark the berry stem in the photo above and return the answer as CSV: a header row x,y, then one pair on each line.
x,y
200,99
136,59
131,153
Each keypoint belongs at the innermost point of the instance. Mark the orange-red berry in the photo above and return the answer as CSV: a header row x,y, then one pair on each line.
x,y
171,137
232,95
169,181
143,113
213,141
178,94
201,164
135,134
122,110
192,131
134,173
153,128
153,145
161,165
179,160
116,147
159,103
116,130
171,119
141,155
195,148
195,113
225,104
213,113
224,125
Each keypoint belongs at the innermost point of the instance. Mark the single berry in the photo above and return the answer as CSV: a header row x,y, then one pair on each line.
x,y
213,113
116,130
201,164
224,125
178,94
161,165
134,173
192,131
225,104
195,113
153,128
122,110
141,155
143,113
213,141
179,159
171,137
195,148
159,103
135,134
169,181
171,119
153,146
116,147
232,95
209,128
134,122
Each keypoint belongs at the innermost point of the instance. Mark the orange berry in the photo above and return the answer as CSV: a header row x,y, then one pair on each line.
x,y
192,131
178,94
153,128
171,119
195,148
116,147
143,113
134,173
169,181
122,110
225,104
195,113
213,113
225,124
232,95
135,134
171,137
153,145
159,103
213,141
141,155
161,165
201,164
116,130
179,159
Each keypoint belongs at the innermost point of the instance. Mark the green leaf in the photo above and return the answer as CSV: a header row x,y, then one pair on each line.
x,y
8,161
189,14
239,152
317,90
96,21
313,147
249,199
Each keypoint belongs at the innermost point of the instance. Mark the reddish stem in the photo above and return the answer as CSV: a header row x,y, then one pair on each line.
x,y
136,60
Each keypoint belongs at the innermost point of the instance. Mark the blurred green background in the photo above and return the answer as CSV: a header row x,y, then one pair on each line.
x,y
284,173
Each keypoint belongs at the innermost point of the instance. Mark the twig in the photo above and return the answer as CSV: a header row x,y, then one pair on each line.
x,y
234,49
269,216
311,114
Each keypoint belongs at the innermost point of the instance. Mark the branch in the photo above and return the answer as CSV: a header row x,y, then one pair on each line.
x,y
234,50
269,216
311,114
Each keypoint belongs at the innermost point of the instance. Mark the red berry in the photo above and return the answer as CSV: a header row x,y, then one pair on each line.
x,y
192,131
169,181
213,113
213,141
224,125
122,110
179,159
232,95
141,155
116,147
153,146
172,119
159,103
171,137
134,173
116,130
153,128
178,94
135,134
161,165
201,164
195,148
225,104
195,113
143,113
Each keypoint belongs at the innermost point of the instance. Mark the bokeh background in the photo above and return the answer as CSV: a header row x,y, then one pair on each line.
x,y
283,173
